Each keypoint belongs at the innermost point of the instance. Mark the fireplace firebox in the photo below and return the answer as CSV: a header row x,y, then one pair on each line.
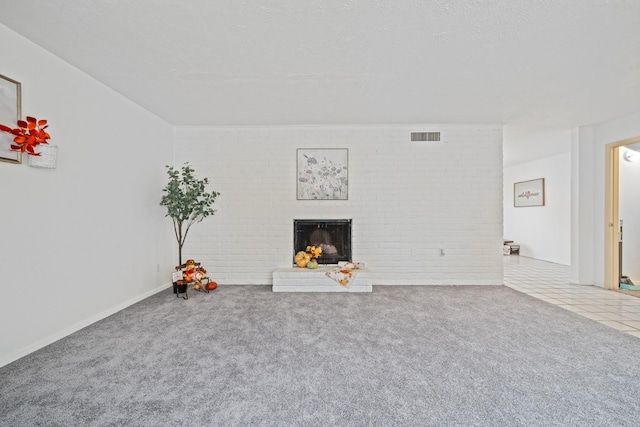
x,y
332,235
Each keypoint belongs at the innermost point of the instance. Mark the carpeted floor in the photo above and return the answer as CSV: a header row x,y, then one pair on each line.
x,y
242,355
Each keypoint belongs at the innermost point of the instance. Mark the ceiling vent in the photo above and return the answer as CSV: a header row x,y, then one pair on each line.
x,y
425,136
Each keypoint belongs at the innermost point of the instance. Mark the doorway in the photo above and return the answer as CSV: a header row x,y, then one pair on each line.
x,y
613,259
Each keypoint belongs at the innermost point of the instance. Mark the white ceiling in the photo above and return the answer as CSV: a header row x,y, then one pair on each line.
x,y
537,66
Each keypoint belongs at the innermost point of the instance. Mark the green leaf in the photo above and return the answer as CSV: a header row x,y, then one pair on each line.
x,y
187,201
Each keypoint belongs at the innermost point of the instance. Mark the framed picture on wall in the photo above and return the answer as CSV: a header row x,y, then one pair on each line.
x,y
322,174
528,193
10,105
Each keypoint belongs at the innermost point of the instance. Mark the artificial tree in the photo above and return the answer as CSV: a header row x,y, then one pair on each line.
x,y
187,202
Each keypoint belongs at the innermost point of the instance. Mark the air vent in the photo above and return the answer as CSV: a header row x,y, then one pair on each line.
x,y
425,136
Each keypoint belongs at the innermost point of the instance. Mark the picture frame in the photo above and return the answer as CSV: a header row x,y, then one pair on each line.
x,y
322,174
10,113
528,193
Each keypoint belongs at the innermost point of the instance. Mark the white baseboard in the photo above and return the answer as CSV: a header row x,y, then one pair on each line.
x,y
83,324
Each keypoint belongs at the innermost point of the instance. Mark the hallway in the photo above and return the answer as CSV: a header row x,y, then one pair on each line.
x,y
550,282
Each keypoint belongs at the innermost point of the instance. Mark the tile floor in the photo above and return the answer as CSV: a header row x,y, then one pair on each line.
x,y
550,282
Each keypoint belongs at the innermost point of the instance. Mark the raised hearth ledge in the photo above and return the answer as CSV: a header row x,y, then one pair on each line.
x,y
296,279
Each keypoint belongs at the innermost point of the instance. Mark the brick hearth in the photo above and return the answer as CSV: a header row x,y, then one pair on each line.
x,y
305,280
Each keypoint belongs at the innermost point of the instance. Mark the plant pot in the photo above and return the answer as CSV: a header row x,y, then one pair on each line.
x,y
47,158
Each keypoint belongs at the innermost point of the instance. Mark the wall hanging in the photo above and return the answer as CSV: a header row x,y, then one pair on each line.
x,y
47,159
528,193
10,105
323,174
31,137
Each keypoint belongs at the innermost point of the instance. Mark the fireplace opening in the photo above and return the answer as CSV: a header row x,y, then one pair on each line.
x,y
332,235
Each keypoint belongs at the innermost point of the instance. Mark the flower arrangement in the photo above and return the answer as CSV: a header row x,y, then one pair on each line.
x,y
29,134
309,257
314,252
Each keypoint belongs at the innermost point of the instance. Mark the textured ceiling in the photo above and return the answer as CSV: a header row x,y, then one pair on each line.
x,y
534,65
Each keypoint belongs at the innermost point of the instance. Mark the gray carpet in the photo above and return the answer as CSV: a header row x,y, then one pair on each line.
x,y
241,355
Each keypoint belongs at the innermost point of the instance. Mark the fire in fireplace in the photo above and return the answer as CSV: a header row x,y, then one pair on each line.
x,y
332,235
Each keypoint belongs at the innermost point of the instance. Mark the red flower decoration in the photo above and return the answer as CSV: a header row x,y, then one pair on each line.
x,y
28,135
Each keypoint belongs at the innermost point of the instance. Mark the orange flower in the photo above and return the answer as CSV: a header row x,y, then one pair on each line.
x,y
28,135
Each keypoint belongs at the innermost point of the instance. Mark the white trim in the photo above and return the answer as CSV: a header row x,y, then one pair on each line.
x,y
80,325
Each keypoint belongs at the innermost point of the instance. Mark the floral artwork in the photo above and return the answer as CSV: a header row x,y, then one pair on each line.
x,y
323,174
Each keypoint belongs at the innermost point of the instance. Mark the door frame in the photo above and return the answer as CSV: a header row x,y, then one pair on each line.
x,y
612,211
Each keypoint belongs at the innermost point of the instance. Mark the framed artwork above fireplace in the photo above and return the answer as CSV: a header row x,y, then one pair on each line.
x,y
322,174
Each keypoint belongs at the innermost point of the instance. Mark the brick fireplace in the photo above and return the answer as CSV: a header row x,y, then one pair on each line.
x,y
334,237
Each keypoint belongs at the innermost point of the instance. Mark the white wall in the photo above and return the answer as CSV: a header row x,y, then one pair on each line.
x,y
630,214
407,200
588,151
81,241
543,232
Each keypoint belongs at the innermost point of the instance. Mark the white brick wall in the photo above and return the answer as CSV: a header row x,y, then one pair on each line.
x,y
407,200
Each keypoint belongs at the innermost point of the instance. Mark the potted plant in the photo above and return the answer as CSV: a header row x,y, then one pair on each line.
x,y
187,202
31,137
